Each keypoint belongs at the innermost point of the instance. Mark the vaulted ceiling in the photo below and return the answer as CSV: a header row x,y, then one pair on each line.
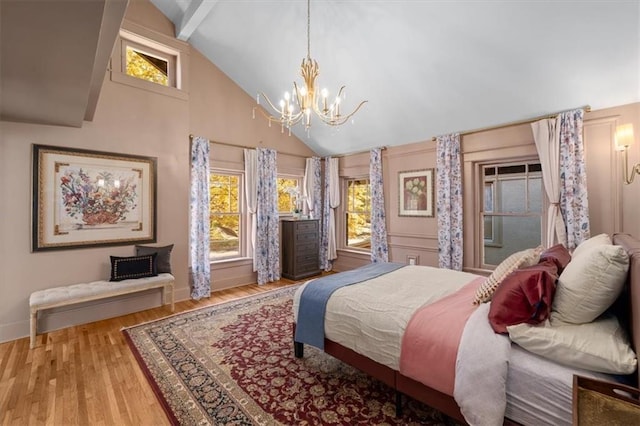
x,y
426,67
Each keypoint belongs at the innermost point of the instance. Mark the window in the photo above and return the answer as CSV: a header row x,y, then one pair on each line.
x,y
512,208
225,201
288,194
148,61
358,212
151,61
149,65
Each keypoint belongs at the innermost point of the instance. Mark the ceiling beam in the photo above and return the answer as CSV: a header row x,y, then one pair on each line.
x,y
193,17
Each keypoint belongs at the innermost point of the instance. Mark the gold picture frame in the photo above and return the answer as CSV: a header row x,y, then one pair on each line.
x,y
84,198
415,193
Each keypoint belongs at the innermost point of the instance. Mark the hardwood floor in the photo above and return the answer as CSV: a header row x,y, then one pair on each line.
x,y
86,375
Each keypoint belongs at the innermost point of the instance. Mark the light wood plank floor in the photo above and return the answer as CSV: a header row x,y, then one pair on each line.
x,y
86,375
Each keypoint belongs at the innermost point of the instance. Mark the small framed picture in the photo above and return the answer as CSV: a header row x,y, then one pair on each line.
x,y
415,193
85,198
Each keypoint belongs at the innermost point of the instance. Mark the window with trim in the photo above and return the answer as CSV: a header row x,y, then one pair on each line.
x,y
289,195
151,61
358,213
512,201
225,191
149,64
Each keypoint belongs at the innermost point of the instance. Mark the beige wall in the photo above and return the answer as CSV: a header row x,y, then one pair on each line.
x,y
132,121
613,206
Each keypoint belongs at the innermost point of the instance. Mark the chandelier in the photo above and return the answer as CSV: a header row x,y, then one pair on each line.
x,y
297,106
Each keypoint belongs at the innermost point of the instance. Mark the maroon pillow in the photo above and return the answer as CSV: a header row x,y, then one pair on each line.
x,y
525,295
559,254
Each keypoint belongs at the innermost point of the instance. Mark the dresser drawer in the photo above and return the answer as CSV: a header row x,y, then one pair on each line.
x,y
307,226
307,248
306,237
307,258
307,267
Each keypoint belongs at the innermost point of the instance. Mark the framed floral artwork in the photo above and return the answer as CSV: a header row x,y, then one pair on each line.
x,y
415,193
85,198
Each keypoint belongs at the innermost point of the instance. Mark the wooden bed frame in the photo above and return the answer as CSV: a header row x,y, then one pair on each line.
x,y
627,308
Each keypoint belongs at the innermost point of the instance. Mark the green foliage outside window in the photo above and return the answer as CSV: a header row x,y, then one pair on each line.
x,y
224,191
358,213
146,67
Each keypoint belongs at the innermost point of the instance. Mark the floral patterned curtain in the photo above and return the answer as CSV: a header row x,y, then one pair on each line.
x,y
199,266
331,202
449,201
379,247
312,191
573,178
267,253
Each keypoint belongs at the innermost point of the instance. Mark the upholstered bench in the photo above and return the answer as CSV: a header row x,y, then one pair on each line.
x,y
77,293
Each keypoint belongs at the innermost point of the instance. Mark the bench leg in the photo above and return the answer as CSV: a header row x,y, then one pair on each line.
x,y
167,293
33,326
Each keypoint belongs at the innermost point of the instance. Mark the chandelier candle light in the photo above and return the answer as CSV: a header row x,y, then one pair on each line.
x,y
306,97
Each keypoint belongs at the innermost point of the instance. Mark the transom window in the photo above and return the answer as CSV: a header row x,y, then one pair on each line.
x,y
150,61
512,209
225,209
146,66
358,212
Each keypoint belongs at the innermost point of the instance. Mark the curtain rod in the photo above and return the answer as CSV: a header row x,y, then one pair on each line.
x,y
354,153
586,108
191,136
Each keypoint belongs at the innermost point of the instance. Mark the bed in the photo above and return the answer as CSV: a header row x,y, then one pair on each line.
x,y
536,388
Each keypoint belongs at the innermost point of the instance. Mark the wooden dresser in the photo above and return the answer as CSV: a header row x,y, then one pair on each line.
x,y
300,248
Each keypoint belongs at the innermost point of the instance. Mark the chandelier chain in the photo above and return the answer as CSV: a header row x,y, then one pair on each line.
x,y
308,28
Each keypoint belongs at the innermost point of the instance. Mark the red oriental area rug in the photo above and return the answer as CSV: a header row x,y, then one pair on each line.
x,y
233,364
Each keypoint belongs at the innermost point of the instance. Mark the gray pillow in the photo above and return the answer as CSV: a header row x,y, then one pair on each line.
x,y
163,260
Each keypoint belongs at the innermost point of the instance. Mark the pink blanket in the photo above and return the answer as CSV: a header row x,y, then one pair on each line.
x,y
430,342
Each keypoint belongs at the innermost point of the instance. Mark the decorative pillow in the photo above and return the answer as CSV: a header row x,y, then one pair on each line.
x,y
558,254
525,295
516,260
124,268
601,345
590,283
163,261
598,240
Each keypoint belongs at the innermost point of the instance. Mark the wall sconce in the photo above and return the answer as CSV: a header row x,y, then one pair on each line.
x,y
624,139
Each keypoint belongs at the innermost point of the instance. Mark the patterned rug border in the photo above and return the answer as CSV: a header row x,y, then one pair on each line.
x,y
145,370
222,303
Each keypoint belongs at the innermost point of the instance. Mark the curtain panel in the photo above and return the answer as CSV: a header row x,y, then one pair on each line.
x,y
251,196
574,203
199,225
267,252
312,189
546,134
379,247
328,251
449,201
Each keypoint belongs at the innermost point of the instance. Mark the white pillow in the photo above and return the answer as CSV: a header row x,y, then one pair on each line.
x,y
590,283
598,240
600,345
517,260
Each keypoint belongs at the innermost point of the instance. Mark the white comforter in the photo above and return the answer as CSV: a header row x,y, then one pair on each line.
x,y
372,322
